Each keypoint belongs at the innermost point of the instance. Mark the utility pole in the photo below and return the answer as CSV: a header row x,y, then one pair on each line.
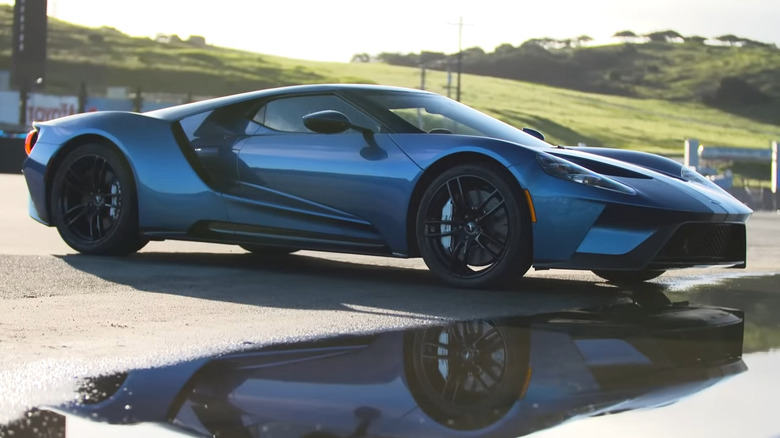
x,y
460,54
83,95
24,94
28,55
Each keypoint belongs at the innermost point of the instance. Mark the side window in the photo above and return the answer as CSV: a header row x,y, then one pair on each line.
x,y
286,114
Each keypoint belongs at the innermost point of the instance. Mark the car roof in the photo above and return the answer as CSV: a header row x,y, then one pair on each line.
x,y
181,111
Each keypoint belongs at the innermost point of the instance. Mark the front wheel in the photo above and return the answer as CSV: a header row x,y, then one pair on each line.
x,y
628,277
467,375
472,230
94,204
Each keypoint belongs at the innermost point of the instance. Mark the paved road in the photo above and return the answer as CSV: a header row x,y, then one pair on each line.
x,y
63,316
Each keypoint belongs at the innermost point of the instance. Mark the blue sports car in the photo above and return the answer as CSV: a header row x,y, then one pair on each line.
x,y
374,170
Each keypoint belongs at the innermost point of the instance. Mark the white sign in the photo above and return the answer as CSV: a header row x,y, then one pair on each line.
x,y
5,80
727,153
116,92
42,107
9,107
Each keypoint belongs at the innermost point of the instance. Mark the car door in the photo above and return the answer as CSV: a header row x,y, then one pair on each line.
x,y
347,191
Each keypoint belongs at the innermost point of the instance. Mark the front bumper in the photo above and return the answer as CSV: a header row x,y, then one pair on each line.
x,y
636,238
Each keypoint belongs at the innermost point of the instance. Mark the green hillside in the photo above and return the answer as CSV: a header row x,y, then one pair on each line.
x,y
736,74
105,57
664,69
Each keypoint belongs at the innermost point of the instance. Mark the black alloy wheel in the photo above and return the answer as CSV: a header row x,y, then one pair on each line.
x,y
467,375
472,230
628,277
93,202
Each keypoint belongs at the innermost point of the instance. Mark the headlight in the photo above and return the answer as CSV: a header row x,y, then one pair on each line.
x,y
563,169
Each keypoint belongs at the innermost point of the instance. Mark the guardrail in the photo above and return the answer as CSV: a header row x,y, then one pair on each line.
x,y
695,152
11,153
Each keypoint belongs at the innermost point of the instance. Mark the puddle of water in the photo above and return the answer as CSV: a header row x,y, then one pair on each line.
x,y
493,377
743,406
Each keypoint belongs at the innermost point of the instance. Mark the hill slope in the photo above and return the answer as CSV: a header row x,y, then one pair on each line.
x,y
105,57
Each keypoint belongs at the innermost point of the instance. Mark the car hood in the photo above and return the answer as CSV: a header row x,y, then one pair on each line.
x,y
656,179
641,171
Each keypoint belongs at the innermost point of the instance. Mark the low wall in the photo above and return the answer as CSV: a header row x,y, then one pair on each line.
x,y
11,155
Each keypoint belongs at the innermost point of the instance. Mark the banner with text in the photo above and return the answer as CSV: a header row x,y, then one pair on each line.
x,y
42,107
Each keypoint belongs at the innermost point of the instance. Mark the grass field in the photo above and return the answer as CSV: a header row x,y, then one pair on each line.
x,y
570,117
105,57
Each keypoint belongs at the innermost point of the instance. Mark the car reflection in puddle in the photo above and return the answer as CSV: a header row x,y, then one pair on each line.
x,y
491,377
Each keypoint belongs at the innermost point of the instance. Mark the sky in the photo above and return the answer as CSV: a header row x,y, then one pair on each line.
x,y
334,30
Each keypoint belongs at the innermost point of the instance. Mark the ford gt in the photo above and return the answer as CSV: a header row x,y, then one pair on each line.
x,y
374,170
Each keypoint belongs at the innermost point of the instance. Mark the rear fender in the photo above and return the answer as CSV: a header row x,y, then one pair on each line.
x,y
171,196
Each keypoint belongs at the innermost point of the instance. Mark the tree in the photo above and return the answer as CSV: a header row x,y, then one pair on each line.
x,y
695,39
746,42
361,57
566,42
664,36
504,48
473,55
410,60
583,39
626,36
197,41
729,39
735,91
430,57
545,43
474,51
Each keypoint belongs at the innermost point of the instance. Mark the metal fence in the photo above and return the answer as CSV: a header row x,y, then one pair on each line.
x,y
695,154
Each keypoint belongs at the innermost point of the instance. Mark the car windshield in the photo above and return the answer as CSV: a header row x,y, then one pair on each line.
x,y
438,114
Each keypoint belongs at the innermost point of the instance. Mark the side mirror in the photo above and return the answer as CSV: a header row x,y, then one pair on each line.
x,y
534,132
327,122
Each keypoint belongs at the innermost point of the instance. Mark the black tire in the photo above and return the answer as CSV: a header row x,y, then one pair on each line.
x,y
467,375
628,277
472,230
94,204
268,250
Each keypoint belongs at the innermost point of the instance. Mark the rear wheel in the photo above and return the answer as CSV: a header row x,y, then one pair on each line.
x,y
471,229
94,204
628,277
268,250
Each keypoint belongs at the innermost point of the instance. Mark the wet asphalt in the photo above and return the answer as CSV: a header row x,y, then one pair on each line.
x,y
65,316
